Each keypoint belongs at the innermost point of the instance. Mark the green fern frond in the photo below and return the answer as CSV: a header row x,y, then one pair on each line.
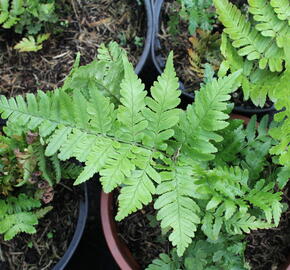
x,y
42,163
4,12
231,196
282,8
16,223
105,73
248,41
40,213
243,223
100,152
261,197
56,167
282,132
164,262
101,112
256,83
231,146
17,7
254,155
268,23
17,215
206,116
139,186
176,208
132,100
161,112
117,168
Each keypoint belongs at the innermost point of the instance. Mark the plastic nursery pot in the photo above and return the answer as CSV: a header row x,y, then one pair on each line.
x,y
119,250
146,50
159,63
81,222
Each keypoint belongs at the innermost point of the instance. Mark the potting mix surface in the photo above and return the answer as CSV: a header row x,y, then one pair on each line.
x,y
54,234
86,24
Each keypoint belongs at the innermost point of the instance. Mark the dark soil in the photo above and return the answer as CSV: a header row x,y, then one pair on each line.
x,y
55,231
143,240
179,44
89,23
268,249
207,51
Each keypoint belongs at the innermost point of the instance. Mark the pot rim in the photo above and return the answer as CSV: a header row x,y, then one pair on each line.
x,y
119,250
148,40
81,222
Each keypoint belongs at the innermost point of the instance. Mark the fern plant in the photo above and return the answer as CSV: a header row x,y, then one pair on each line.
x,y
198,14
27,15
259,45
20,214
27,179
154,151
30,18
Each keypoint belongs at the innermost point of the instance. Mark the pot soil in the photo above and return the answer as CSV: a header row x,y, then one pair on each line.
x,y
58,234
205,45
89,23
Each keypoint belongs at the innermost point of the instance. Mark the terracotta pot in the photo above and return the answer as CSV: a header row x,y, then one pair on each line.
x,y
117,247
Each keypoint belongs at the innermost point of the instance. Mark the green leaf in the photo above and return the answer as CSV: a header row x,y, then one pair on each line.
x,y
176,208
132,100
161,112
28,44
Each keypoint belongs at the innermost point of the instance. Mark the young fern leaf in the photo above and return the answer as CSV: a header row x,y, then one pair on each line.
x,y
18,214
243,223
232,197
161,112
132,100
105,73
261,197
176,208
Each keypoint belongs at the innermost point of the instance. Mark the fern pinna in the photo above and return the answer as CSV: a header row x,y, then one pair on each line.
x,y
151,149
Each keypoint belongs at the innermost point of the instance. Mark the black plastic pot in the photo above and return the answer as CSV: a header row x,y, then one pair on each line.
x,y
159,63
83,213
146,50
